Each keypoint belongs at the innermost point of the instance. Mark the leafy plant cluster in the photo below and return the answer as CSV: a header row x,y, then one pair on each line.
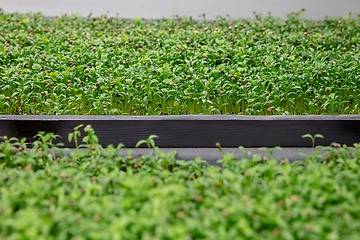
x,y
96,193
109,66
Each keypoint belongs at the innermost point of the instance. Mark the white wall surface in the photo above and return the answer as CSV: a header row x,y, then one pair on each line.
x,y
315,9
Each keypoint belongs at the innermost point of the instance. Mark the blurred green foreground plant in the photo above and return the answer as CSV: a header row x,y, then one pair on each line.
x,y
97,193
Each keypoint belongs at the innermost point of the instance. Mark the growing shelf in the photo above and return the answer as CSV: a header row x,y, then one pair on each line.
x,y
195,131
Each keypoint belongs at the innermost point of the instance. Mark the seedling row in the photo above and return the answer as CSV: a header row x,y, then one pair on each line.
x,y
73,65
100,194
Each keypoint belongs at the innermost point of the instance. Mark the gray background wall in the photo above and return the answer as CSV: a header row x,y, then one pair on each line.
x,y
315,9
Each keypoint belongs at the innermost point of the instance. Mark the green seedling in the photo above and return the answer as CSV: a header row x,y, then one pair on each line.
x,y
312,138
75,135
149,142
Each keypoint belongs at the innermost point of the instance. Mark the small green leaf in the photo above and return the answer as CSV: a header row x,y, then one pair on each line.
x,y
166,81
139,143
318,136
264,149
307,135
77,127
153,136
36,66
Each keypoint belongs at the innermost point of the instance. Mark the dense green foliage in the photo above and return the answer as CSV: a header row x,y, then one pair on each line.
x,y
102,65
98,194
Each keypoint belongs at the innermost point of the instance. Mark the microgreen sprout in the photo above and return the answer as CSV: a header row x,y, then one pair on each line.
x,y
149,142
312,138
75,135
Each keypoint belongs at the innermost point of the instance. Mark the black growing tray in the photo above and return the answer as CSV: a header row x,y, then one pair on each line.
x,y
194,130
